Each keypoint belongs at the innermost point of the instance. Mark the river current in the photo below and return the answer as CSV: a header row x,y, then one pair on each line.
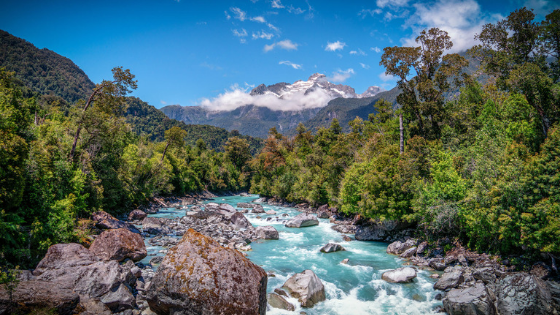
x,y
353,288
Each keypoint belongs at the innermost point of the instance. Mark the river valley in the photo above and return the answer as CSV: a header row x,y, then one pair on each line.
x,y
353,288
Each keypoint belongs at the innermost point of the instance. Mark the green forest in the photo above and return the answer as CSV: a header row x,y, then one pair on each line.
x,y
480,166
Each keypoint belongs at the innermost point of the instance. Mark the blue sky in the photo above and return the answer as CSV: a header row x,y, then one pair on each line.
x,y
185,51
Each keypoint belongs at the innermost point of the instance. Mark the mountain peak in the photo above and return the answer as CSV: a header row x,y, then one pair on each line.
x,y
317,77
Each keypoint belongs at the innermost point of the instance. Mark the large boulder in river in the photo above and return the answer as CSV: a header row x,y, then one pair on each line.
x,y
302,220
105,221
198,276
89,276
398,247
522,293
240,221
473,300
266,232
385,231
277,301
306,287
257,209
399,275
155,226
136,215
33,295
118,245
331,248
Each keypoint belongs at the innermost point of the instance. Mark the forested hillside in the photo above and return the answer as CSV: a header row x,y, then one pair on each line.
x,y
43,71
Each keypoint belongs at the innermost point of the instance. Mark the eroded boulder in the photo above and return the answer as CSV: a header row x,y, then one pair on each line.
x,y
33,295
522,293
198,276
331,248
105,221
119,244
306,287
266,232
136,215
473,300
302,220
399,275
386,231
240,221
277,301
449,280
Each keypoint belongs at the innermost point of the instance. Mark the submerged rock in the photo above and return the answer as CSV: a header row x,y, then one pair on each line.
x,y
118,245
400,275
198,276
278,301
302,220
267,232
332,247
306,287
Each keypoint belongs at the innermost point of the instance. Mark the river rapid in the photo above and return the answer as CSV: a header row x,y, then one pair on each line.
x,y
353,288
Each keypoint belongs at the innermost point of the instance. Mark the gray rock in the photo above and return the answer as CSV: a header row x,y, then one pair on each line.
x,y
240,221
473,300
306,287
302,220
119,299
104,221
266,232
387,230
331,248
119,244
270,212
245,205
344,228
437,264
154,226
422,247
449,280
137,215
408,253
400,275
323,215
198,276
90,278
522,293
33,295
257,209
345,261
278,301
485,274
398,247
94,307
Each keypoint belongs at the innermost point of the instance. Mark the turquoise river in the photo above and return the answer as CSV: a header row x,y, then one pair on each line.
x,y
353,288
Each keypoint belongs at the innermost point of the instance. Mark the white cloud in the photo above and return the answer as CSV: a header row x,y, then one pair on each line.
x,y
364,65
310,11
376,49
338,45
341,75
262,34
366,12
359,52
291,64
238,14
210,66
227,15
285,44
239,33
391,3
272,27
386,77
541,7
295,10
163,102
238,96
277,4
259,19
462,19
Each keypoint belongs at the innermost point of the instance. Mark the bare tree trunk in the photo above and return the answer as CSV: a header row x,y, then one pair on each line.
x,y
90,100
401,133
164,151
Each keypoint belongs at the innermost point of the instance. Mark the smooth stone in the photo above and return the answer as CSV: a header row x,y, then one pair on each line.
x,y
306,287
278,301
400,275
449,280
302,220
267,232
331,248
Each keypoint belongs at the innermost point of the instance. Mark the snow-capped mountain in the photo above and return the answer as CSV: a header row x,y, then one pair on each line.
x,y
315,82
